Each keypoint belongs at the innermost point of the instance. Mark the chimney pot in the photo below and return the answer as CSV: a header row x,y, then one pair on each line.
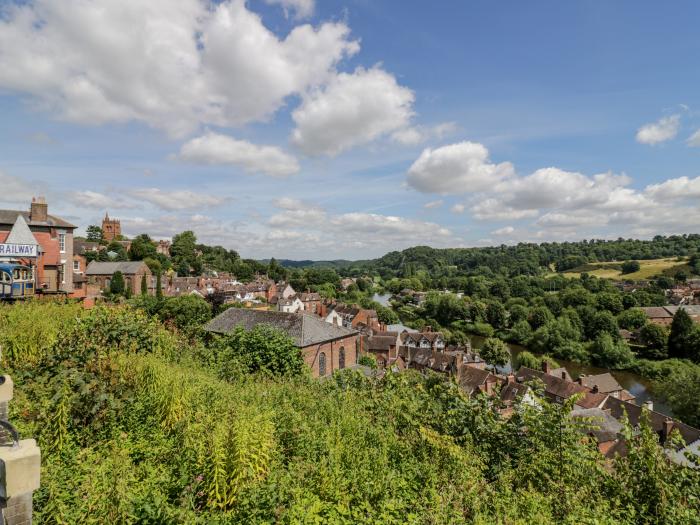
x,y
546,367
649,405
38,211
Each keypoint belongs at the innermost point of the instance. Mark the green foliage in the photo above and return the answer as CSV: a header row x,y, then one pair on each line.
x,y
368,360
655,341
681,335
681,390
144,285
630,267
632,319
495,352
142,248
611,353
116,284
187,312
262,349
94,233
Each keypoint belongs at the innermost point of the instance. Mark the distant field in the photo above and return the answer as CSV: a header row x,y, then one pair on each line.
x,y
611,270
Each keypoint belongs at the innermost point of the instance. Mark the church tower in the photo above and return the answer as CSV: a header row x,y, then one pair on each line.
x,y
111,228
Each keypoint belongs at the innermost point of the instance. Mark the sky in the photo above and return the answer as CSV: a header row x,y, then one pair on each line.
x,y
328,129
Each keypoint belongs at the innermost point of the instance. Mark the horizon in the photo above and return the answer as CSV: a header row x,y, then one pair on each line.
x,y
351,129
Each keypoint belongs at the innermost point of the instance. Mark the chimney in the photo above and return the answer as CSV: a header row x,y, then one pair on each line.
x,y
427,328
668,427
39,210
649,405
546,367
563,374
510,378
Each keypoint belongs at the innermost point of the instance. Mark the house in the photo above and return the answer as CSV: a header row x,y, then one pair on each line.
x,y
605,384
425,339
42,241
99,275
333,317
311,302
291,305
663,315
559,389
473,381
324,347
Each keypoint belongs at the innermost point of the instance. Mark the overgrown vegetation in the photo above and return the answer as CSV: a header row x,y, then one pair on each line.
x,y
142,424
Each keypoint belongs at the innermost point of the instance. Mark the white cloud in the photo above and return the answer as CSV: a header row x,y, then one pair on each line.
x,y
215,148
674,189
494,209
433,204
177,199
352,109
666,128
457,168
416,134
172,65
506,230
694,140
97,200
302,8
458,208
16,191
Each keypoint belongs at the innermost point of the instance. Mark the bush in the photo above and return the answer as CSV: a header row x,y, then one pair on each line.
x,y
188,313
610,353
630,267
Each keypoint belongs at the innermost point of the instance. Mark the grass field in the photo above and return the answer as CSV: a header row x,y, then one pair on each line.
x,y
649,268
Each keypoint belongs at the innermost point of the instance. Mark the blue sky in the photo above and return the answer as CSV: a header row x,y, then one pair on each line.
x,y
345,129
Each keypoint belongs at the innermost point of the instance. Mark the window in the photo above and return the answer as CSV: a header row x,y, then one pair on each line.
x,y
322,364
63,274
76,266
341,358
62,242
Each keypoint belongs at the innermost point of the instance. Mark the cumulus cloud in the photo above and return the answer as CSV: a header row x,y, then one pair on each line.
x,y
215,148
674,189
694,140
173,66
666,128
352,109
302,8
177,199
100,201
17,191
457,168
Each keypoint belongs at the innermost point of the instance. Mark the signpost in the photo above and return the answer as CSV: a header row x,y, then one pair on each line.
x,y
18,250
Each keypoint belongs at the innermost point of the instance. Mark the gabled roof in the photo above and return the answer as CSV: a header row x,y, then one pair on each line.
x,y
606,383
20,233
108,268
303,329
561,388
472,378
512,391
10,217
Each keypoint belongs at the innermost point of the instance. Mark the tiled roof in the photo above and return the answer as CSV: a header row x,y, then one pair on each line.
x,y
108,268
560,388
600,423
303,329
472,378
380,343
512,391
10,216
656,312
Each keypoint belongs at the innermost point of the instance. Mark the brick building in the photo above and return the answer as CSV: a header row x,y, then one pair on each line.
x,y
324,347
99,275
111,228
53,237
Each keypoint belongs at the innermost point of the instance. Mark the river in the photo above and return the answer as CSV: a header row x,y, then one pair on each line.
x,y
382,299
637,385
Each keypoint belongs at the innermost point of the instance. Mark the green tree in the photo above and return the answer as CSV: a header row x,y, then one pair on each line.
x,y
94,233
602,322
188,313
496,315
495,352
142,247
611,353
632,319
630,267
159,287
539,316
655,340
681,390
679,339
116,284
144,285
528,360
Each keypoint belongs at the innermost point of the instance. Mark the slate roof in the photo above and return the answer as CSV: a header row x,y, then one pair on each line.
x,y
601,424
400,328
606,382
656,312
108,268
560,388
303,329
379,342
10,217
512,391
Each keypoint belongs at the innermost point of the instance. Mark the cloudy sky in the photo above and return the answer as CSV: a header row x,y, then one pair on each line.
x,y
347,128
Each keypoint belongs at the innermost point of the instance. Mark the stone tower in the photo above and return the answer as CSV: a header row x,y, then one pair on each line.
x,y
111,228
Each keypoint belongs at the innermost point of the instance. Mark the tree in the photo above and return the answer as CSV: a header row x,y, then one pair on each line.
x,y
610,353
539,316
681,331
528,360
630,267
144,285
116,285
159,287
603,322
655,340
187,312
495,352
681,390
632,319
118,249
94,233
142,247
496,315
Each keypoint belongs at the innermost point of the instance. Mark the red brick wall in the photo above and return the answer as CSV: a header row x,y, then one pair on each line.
x,y
332,350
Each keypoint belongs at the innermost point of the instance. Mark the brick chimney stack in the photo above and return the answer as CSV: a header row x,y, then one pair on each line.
x,y
39,210
668,427
546,367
